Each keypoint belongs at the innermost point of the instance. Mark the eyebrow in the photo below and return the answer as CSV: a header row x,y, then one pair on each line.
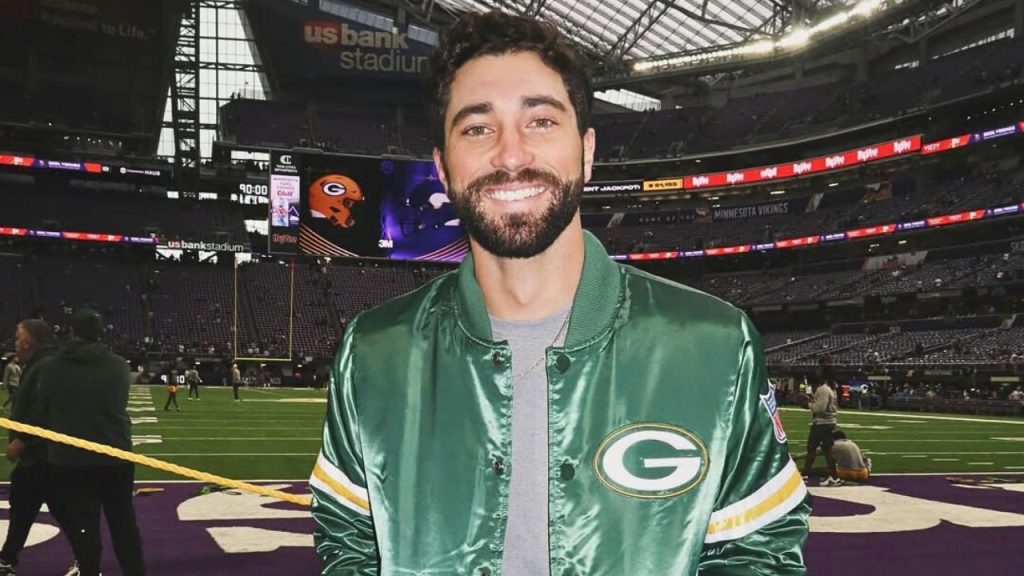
x,y
527,102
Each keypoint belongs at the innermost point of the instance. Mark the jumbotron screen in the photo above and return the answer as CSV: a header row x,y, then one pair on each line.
x,y
377,208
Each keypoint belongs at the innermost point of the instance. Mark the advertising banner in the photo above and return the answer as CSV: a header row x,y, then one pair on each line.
x,y
285,202
617,187
872,153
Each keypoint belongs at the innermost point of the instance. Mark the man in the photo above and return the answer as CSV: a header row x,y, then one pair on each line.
x,y
236,380
12,375
544,410
84,393
823,408
193,380
851,465
172,392
34,345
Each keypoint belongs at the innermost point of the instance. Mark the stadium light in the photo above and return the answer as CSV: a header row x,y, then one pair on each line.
x,y
866,7
776,192
760,47
797,39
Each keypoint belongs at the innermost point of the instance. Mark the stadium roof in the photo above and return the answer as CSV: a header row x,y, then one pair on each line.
x,y
636,29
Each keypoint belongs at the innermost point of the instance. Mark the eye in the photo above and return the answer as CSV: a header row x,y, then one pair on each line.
x,y
475,130
545,123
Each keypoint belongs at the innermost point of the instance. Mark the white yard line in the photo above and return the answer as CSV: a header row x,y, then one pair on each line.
x,y
889,415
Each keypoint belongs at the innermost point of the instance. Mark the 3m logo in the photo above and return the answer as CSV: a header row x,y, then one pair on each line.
x,y
651,460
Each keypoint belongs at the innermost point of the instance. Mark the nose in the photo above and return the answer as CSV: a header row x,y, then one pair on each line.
x,y
513,151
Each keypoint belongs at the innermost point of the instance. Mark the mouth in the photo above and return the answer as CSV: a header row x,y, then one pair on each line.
x,y
514,193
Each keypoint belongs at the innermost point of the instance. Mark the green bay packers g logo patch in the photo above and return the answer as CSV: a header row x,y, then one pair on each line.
x,y
651,460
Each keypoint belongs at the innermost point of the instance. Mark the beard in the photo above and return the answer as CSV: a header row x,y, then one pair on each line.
x,y
518,235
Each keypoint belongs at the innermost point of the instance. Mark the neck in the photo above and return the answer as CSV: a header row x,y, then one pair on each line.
x,y
532,288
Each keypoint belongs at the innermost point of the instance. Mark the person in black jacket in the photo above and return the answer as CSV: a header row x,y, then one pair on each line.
x,y
35,347
84,393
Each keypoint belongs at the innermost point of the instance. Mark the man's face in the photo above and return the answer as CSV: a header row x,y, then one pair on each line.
x,y
514,162
24,345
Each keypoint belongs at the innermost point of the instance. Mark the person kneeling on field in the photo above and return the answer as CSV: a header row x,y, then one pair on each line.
x,y
851,465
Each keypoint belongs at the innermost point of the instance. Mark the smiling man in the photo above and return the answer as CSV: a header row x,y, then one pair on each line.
x,y
544,410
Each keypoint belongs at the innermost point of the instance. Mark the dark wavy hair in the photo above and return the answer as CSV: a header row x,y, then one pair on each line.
x,y
495,33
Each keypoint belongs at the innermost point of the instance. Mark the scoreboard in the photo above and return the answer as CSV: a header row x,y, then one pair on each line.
x,y
358,206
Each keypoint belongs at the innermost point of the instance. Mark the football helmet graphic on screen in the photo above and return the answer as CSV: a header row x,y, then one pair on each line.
x,y
334,197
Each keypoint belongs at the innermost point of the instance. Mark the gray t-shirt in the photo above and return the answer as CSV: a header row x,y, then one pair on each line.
x,y
848,455
526,537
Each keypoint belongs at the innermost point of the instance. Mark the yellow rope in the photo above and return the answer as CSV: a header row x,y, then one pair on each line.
x,y
151,462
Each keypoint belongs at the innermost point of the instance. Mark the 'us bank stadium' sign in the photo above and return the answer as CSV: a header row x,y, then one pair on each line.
x,y
373,51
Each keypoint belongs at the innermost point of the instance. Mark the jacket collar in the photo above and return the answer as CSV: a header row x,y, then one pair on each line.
x,y
40,354
594,306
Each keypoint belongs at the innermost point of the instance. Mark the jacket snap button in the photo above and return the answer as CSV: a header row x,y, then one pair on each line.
x,y
567,471
562,363
497,358
485,572
498,466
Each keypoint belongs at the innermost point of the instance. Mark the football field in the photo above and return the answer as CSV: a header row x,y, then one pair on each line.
x,y
971,493
914,442
274,434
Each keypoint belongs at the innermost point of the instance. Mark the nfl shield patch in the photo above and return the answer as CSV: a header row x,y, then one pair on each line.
x,y
768,399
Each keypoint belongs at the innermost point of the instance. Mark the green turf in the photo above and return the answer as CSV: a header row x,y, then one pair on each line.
x,y
275,434
271,434
912,442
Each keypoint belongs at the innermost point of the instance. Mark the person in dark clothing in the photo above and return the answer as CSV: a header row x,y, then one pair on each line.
x,y
34,345
84,393
172,394
193,380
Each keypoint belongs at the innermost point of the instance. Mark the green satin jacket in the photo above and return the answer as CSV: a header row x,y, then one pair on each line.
x,y
666,454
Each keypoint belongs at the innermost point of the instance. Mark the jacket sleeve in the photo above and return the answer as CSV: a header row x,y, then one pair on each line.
x,y
344,534
759,522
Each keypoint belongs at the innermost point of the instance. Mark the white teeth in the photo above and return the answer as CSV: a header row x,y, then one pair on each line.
x,y
513,195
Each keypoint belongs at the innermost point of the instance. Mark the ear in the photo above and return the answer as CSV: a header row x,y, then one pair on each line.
x,y
589,144
439,166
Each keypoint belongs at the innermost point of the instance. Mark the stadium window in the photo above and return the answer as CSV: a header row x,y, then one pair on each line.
x,y
206,138
1005,34
350,12
225,43
423,35
208,111
629,99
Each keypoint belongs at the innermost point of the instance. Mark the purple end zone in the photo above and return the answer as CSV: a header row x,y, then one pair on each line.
x,y
896,525
931,525
185,533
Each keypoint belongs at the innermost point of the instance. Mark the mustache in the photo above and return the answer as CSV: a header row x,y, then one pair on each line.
x,y
503,177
